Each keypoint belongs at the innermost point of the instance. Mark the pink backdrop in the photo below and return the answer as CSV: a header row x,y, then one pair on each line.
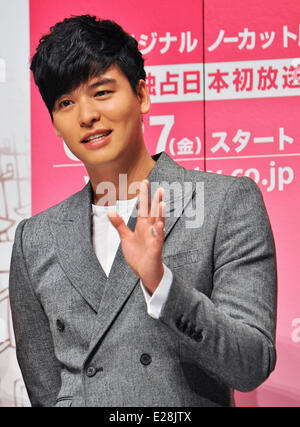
x,y
225,92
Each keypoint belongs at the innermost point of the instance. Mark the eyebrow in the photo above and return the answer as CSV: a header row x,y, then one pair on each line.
x,y
102,82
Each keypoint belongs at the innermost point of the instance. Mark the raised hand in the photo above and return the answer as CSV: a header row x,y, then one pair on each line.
x,y
142,248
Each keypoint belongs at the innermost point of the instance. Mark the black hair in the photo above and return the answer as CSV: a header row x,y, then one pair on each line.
x,y
81,47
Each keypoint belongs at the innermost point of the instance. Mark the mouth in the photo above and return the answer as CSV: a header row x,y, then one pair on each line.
x,y
96,137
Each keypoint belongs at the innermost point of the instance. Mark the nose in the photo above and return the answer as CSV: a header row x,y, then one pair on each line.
x,y
88,113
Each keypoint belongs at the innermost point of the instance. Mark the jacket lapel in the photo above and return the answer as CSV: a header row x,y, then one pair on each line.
x,y
71,229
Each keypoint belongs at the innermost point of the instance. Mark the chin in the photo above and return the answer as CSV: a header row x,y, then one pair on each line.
x,y
98,160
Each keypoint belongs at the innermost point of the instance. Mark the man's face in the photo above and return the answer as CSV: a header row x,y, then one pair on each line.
x,y
101,120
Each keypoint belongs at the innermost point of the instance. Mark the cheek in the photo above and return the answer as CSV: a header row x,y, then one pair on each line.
x,y
58,127
65,130
125,110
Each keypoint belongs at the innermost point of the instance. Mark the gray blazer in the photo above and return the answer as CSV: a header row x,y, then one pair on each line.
x,y
86,340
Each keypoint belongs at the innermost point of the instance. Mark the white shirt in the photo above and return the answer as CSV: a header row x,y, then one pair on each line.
x,y
106,241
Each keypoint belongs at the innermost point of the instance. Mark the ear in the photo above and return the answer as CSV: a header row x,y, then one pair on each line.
x,y
58,134
144,97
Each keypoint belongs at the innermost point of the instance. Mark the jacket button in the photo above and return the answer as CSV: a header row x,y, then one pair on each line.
x,y
192,332
145,359
91,371
60,325
179,322
199,335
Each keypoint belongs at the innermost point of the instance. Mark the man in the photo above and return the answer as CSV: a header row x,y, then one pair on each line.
x,y
183,311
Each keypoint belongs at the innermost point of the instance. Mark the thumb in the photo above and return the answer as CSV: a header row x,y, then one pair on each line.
x,y
119,224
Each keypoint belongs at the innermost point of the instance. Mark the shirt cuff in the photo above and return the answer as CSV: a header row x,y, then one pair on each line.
x,y
156,301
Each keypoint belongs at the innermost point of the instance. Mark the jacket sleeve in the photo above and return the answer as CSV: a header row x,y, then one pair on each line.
x,y
231,335
34,344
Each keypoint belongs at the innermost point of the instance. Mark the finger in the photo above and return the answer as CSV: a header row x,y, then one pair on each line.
x,y
155,206
161,212
119,224
144,199
158,231
160,228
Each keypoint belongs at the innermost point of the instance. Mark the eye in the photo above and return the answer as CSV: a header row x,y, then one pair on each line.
x,y
65,103
103,92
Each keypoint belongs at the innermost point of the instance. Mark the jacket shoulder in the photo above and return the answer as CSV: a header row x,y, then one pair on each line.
x,y
218,183
36,224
